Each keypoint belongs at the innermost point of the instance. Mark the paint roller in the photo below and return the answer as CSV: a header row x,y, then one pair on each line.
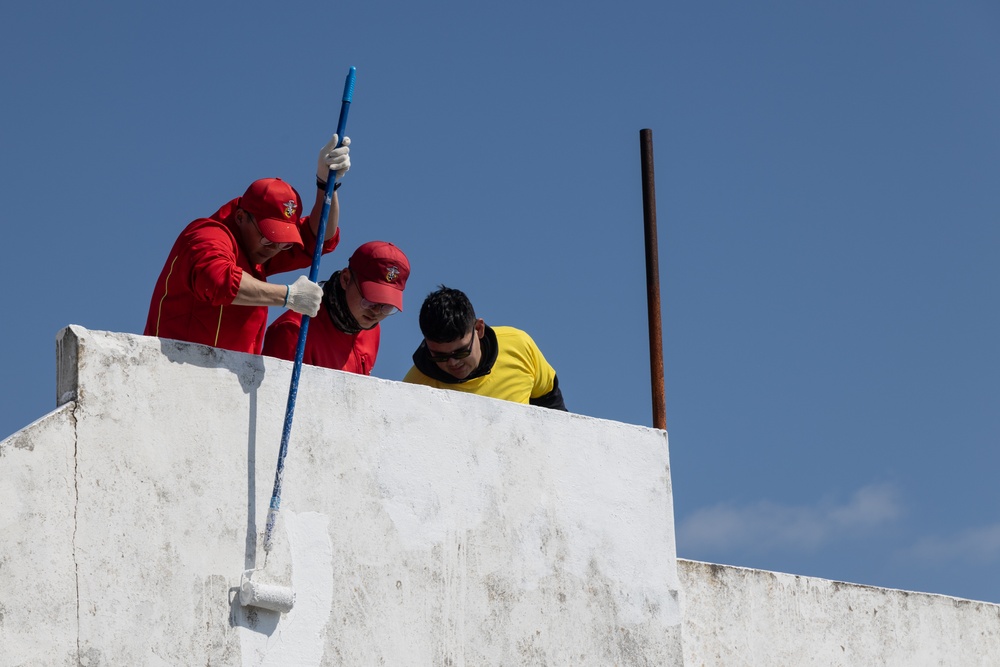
x,y
267,596
253,593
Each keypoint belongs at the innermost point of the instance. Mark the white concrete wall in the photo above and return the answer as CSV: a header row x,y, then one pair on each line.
x,y
38,607
421,527
739,617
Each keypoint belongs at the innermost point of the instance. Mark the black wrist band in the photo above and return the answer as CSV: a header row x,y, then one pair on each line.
x,y
322,184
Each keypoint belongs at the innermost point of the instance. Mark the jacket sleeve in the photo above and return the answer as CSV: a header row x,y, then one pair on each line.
x,y
215,276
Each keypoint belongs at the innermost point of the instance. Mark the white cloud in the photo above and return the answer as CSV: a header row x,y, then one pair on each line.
x,y
973,545
869,507
767,525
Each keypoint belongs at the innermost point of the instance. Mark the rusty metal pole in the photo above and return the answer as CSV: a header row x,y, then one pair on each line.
x,y
652,280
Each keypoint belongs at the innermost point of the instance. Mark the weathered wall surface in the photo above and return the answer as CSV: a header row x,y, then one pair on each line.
x,y
421,527
739,617
37,566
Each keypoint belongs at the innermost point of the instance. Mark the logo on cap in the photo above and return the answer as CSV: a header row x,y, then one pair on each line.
x,y
289,208
391,274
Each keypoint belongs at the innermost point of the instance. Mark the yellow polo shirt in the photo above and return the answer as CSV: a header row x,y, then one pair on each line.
x,y
520,372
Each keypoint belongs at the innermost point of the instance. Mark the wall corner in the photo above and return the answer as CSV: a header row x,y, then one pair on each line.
x,y
67,363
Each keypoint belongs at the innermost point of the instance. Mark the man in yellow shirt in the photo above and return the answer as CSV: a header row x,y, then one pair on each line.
x,y
461,352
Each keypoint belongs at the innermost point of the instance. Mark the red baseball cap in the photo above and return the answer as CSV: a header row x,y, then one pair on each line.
x,y
381,270
276,207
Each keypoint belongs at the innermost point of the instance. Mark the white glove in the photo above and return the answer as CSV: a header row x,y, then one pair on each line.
x,y
304,296
335,159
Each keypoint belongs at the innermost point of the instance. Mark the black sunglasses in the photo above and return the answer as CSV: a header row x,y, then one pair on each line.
x,y
461,353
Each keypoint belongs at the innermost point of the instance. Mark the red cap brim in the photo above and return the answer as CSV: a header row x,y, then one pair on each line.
x,y
382,293
277,230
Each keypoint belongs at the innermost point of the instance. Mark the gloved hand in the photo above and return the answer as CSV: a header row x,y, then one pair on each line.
x,y
331,157
304,296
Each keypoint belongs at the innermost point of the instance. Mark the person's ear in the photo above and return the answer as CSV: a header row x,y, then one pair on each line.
x,y
480,328
345,278
243,218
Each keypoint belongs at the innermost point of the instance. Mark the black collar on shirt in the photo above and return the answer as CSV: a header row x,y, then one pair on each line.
x,y
490,349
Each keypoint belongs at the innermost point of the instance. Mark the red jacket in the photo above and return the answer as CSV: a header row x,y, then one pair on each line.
x,y
193,297
326,345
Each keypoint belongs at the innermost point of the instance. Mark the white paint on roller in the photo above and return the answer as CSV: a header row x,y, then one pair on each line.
x,y
296,638
266,596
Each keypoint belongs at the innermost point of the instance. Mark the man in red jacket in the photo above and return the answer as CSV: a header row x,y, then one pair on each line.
x,y
345,334
213,288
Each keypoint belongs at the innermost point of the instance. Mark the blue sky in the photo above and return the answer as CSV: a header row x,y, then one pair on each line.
x,y
827,205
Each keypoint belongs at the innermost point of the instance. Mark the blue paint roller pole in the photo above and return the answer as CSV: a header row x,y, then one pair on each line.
x,y
300,348
252,593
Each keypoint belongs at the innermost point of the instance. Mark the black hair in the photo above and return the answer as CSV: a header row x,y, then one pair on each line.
x,y
446,315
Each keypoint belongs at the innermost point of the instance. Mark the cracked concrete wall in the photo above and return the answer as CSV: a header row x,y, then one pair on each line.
x,y
419,526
